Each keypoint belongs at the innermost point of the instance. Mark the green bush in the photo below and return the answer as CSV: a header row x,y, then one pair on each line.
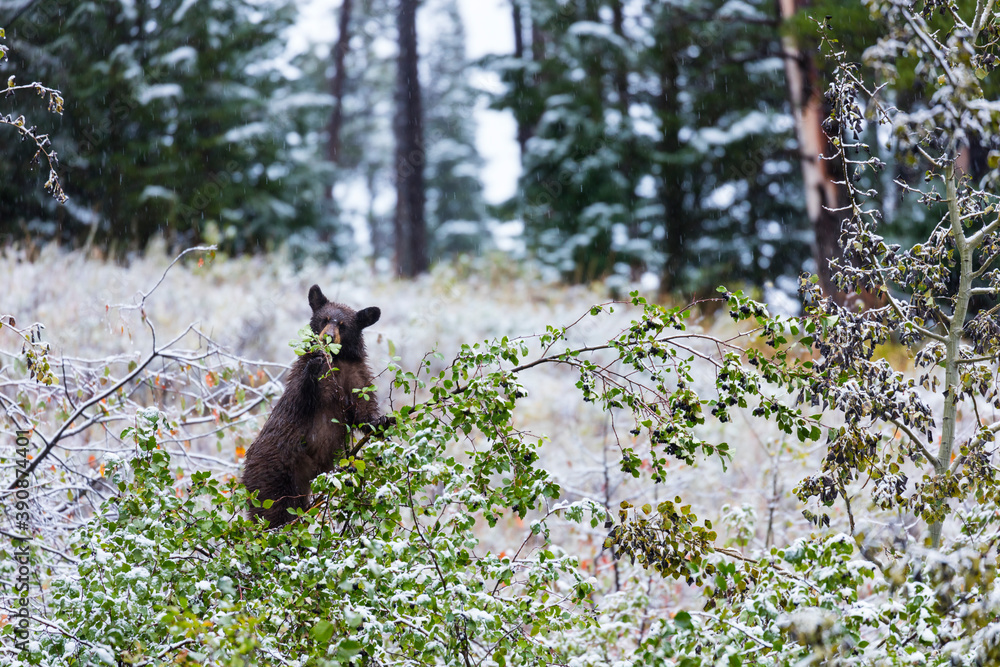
x,y
383,569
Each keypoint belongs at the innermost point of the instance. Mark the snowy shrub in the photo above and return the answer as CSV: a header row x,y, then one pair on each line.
x,y
384,568
900,447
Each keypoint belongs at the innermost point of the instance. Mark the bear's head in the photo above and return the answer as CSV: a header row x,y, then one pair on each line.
x,y
341,323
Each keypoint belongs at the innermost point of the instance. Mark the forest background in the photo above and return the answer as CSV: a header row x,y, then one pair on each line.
x,y
655,138
666,148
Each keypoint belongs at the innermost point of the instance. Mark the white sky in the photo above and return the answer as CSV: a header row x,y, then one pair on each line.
x,y
488,29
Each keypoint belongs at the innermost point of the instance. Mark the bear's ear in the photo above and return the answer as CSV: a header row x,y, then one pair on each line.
x,y
368,317
316,298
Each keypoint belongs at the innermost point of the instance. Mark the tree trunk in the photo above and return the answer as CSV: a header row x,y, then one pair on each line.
x,y
621,66
821,191
537,41
671,188
515,6
523,130
339,76
410,225
630,149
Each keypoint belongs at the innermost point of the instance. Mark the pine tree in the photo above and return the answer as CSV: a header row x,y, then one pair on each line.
x,y
659,141
577,200
456,212
366,172
365,147
179,123
728,190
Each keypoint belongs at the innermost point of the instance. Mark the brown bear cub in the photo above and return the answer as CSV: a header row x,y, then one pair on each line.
x,y
306,433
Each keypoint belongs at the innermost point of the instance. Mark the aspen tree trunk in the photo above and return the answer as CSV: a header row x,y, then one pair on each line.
x,y
953,357
821,191
339,76
410,224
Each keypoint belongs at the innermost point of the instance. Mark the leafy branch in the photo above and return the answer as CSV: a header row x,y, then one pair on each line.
x,y
43,146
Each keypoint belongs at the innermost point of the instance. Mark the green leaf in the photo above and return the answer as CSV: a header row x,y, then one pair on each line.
x,y
322,631
683,621
349,648
353,618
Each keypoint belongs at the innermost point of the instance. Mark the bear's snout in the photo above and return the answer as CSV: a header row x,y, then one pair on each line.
x,y
332,330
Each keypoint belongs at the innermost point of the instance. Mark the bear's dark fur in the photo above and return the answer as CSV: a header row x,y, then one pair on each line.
x,y
306,433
